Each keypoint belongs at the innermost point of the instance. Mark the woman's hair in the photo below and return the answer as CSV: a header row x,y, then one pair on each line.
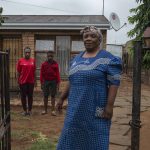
x,y
92,29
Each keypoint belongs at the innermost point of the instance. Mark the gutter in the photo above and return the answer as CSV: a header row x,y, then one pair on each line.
x,y
50,26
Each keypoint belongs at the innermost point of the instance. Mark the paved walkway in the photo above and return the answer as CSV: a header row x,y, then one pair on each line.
x,y
120,138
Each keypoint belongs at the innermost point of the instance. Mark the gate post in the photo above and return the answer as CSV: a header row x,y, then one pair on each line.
x,y
5,135
7,98
136,103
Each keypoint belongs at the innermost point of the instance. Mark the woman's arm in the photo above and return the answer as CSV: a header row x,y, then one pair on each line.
x,y
108,111
63,96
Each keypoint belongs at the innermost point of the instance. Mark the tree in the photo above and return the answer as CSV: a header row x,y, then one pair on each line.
x,y
1,17
141,18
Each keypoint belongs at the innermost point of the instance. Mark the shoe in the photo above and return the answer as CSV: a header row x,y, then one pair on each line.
x,y
29,113
43,113
24,113
53,113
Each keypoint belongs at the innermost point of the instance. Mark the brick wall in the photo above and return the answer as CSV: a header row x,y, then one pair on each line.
x,y
28,40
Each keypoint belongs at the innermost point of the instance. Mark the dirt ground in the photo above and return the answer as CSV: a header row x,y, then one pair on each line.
x,y
24,128
145,131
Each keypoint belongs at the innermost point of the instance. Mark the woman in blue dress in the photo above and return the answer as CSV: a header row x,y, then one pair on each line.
x,y
94,78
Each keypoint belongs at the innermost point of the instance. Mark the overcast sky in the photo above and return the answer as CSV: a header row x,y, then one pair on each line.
x,y
75,7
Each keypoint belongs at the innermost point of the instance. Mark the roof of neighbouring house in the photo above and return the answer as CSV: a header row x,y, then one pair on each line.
x,y
54,21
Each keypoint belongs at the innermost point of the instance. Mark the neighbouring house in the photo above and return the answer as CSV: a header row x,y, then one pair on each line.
x,y
145,73
147,37
119,51
115,49
42,33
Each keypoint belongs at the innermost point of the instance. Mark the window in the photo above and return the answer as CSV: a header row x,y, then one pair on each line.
x,y
77,46
45,45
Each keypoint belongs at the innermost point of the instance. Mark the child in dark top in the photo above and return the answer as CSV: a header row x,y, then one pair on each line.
x,y
50,80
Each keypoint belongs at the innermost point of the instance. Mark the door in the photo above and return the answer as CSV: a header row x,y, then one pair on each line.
x,y
63,54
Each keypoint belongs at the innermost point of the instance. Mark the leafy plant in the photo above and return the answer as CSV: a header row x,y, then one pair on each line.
x,y
141,19
146,60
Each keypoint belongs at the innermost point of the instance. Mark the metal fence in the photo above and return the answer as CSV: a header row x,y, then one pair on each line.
x,y
5,134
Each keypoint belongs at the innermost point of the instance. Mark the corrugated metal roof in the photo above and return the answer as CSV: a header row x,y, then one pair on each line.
x,y
52,21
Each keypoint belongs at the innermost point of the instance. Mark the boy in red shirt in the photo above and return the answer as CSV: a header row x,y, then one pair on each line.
x,y
26,78
50,79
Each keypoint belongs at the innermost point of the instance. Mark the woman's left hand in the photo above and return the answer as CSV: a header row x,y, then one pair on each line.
x,y
108,112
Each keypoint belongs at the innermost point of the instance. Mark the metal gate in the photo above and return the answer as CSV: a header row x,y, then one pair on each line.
x,y
14,45
5,140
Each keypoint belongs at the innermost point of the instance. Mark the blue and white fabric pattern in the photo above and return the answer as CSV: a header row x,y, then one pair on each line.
x,y
90,78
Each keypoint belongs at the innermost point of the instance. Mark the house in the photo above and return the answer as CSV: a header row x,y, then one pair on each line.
x,y
146,36
115,49
58,33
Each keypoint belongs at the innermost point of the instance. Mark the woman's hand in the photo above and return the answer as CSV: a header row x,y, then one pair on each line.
x,y
108,112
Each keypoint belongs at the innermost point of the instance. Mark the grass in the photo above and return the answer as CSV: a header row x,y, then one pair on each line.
x,y
28,138
42,143
38,140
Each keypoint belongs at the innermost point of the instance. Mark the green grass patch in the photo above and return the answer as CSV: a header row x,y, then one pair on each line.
x,y
36,140
42,143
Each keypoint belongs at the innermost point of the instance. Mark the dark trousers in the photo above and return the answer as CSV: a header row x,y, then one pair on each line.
x,y
26,90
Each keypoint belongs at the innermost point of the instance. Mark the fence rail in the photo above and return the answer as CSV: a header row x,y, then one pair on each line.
x,y
5,130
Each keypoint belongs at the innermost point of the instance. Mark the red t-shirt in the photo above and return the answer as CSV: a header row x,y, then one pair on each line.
x,y
49,72
26,69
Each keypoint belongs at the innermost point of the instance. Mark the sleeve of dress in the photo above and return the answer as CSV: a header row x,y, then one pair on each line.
x,y
114,70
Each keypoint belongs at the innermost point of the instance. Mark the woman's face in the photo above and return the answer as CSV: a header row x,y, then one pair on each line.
x,y
91,41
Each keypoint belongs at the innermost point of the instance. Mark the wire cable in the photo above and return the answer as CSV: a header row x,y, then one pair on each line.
x,y
39,6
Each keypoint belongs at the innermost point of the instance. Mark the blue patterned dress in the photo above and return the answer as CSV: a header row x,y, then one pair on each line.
x,y
84,129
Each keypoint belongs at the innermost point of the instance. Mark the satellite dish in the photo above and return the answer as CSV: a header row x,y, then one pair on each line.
x,y
114,21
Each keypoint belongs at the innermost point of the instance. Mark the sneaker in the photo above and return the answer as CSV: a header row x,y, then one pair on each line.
x,y
53,113
29,113
43,113
24,113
